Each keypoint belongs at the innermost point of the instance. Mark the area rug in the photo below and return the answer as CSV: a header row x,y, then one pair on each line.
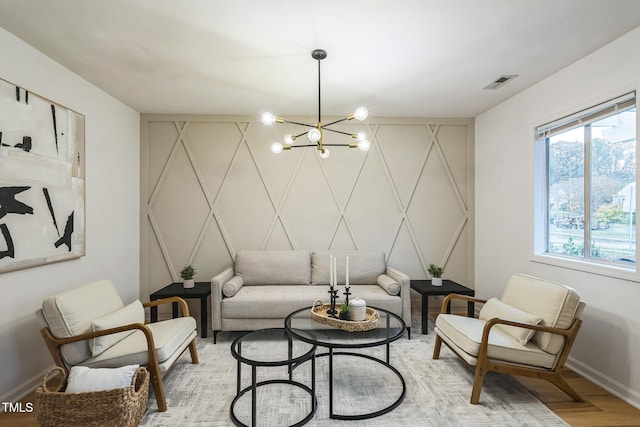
x,y
437,391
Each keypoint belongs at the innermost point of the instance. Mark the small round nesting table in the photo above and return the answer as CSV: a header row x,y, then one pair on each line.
x,y
249,349
390,328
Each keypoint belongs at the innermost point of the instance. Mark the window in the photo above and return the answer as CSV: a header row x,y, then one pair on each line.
x,y
589,177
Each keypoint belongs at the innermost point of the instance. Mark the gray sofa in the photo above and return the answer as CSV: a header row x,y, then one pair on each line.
x,y
263,287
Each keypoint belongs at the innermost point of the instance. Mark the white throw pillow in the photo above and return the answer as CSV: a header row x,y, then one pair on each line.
x,y
82,379
496,308
132,313
388,284
232,286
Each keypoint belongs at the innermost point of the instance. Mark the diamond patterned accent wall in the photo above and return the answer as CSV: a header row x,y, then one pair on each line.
x,y
212,187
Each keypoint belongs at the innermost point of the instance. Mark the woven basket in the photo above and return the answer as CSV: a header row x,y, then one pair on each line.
x,y
121,407
319,314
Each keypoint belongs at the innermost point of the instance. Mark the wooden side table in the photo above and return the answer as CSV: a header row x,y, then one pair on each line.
x,y
201,290
426,289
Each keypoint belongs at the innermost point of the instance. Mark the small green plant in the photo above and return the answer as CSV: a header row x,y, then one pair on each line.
x,y
435,271
345,311
188,272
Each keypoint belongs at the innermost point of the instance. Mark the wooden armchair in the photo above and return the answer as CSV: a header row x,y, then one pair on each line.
x,y
90,326
528,332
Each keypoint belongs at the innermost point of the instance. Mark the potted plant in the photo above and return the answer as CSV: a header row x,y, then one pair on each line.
x,y
187,274
345,311
436,274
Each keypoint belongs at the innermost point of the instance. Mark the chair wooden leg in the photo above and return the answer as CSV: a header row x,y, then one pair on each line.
x,y
194,353
562,384
477,384
158,388
436,347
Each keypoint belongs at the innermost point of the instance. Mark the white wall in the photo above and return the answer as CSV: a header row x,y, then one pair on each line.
x,y
608,346
112,213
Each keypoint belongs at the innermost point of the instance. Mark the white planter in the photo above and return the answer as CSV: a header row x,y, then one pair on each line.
x,y
188,283
436,281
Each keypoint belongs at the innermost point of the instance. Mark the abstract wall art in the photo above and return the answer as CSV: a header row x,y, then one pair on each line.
x,y
42,215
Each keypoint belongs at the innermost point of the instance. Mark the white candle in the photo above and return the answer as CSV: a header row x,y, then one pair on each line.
x,y
330,272
346,279
335,274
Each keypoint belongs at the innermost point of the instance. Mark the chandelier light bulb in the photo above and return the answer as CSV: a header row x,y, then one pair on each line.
x,y
361,113
324,153
361,136
314,135
268,118
288,139
276,148
364,144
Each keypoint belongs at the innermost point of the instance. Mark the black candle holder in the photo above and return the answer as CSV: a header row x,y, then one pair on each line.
x,y
346,293
332,312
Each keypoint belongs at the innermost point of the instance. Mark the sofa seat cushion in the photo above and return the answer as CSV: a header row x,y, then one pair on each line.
x,y
170,338
273,267
465,334
277,302
70,313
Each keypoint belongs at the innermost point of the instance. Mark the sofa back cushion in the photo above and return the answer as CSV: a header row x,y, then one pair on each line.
x,y
70,313
364,267
273,267
556,304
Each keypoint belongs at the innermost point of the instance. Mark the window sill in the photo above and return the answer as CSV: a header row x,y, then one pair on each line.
x,y
607,270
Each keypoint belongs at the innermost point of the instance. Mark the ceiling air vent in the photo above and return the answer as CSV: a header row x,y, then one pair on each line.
x,y
500,81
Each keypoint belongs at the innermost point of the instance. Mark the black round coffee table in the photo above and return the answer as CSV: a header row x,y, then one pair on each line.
x,y
249,349
390,328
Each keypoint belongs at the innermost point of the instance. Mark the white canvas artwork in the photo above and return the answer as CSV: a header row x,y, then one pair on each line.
x,y
41,180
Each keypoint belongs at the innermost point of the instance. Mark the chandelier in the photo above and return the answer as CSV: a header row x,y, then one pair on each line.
x,y
315,131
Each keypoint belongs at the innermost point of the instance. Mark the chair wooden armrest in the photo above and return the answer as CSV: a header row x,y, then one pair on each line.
x,y
54,343
444,309
169,300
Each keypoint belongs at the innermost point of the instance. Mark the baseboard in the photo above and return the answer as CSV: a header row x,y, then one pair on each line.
x,y
24,389
621,391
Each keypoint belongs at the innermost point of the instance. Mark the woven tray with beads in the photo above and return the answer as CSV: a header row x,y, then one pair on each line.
x,y
319,314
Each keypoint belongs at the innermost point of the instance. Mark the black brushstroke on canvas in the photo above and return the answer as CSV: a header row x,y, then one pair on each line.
x,y
9,204
17,94
26,97
55,126
2,144
10,252
68,231
26,144
53,215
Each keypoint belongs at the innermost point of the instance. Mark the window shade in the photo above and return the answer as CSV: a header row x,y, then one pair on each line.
x,y
586,116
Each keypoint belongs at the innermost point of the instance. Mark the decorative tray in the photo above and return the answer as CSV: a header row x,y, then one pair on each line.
x,y
319,314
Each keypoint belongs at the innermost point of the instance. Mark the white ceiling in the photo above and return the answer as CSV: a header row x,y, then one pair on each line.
x,y
428,58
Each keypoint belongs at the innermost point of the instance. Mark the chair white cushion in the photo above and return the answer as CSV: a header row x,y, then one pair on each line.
x,y
70,313
132,313
557,304
494,308
232,286
388,284
170,337
82,379
465,335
